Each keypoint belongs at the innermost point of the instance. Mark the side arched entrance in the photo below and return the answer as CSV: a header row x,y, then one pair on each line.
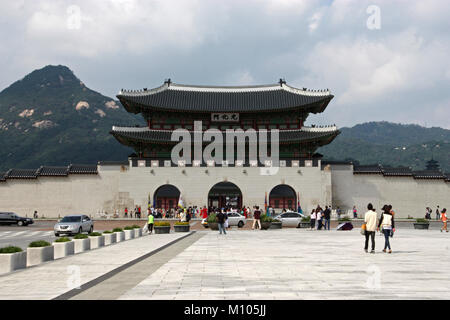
x,y
283,196
166,197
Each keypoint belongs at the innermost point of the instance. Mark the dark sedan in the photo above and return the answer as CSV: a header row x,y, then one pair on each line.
x,y
8,218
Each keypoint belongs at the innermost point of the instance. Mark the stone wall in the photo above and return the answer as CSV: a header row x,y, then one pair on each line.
x,y
408,196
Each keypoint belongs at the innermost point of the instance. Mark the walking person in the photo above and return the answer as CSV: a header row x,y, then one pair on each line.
x,y
444,220
126,212
437,213
313,219
256,218
327,217
319,217
151,219
370,219
355,212
387,225
221,218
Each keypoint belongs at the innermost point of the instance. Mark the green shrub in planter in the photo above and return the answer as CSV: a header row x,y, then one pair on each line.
x,y
266,218
81,236
422,220
117,230
39,244
211,218
128,228
306,219
135,226
107,231
179,223
63,239
95,234
10,249
162,224
344,219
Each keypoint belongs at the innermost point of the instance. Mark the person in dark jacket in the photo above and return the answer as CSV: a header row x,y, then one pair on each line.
x,y
221,217
327,217
387,225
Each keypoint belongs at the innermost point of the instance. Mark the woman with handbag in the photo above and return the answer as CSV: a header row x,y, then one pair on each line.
x,y
387,225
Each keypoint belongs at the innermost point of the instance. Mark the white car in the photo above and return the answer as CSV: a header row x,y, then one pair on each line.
x,y
290,218
234,219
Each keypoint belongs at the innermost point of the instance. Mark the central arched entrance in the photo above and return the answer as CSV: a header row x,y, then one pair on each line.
x,y
225,194
166,197
283,196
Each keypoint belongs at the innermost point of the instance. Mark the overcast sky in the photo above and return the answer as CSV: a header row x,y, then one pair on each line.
x,y
395,68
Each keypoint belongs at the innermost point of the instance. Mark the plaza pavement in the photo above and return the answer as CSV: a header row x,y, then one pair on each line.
x,y
272,264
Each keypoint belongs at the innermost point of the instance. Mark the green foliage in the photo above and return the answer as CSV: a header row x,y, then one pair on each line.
x,y
107,231
135,226
306,219
39,244
10,249
162,224
117,230
179,223
344,219
422,220
384,142
211,218
128,228
63,239
95,234
266,218
73,136
81,236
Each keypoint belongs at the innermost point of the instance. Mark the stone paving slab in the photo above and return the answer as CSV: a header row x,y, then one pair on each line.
x,y
302,264
51,279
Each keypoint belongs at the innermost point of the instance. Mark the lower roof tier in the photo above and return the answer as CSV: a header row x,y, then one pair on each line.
x,y
130,136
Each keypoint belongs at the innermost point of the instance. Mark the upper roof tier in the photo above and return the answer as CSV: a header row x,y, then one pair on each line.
x,y
178,97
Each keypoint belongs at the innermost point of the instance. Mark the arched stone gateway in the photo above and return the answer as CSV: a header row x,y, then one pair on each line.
x,y
166,197
283,196
225,194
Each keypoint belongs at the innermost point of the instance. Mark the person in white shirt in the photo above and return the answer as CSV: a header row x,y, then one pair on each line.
x,y
313,219
370,219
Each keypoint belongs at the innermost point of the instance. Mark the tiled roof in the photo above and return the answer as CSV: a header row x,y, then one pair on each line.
x,y
53,171
83,169
400,171
21,174
428,174
447,177
367,169
164,136
2,176
177,97
113,163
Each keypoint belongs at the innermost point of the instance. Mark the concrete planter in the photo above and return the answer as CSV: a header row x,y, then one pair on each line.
x,y
181,228
12,261
275,225
120,236
110,238
162,229
265,225
36,256
137,232
97,242
422,226
129,234
213,225
305,225
63,249
82,245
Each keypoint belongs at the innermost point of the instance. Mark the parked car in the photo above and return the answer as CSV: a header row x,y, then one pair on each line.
x,y
234,219
290,219
8,218
74,224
